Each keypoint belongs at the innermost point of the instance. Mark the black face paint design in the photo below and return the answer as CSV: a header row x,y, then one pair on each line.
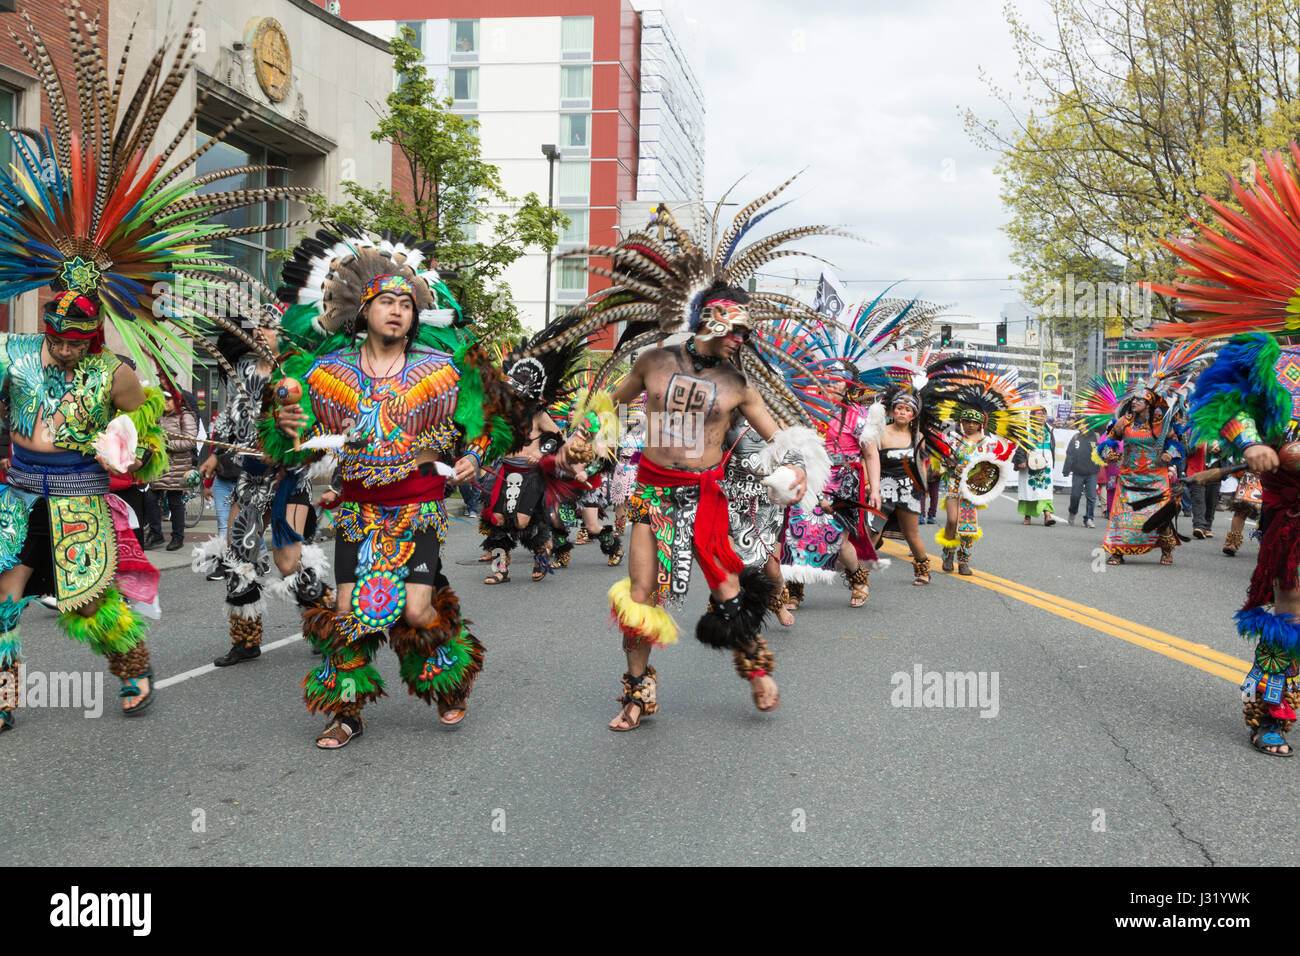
x,y
687,405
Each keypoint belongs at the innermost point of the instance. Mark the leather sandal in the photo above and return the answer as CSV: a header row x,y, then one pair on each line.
x,y
921,571
639,692
456,708
341,729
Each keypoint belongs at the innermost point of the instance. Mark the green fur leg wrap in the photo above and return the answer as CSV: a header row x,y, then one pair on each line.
x,y
146,419
449,673
113,629
345,677
11,648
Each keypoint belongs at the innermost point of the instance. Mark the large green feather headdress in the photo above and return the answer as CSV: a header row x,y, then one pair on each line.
x,y
85,209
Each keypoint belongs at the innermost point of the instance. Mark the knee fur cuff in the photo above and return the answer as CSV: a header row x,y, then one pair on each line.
x,y
113,629
447,673
944,541
735,623
643,620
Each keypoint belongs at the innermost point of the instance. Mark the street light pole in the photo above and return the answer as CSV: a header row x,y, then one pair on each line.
x,y
551,154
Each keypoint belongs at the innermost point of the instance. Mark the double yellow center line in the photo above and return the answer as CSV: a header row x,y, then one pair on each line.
x,y
1199,656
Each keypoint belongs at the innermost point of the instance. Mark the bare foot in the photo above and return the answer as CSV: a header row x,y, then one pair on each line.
x,y
629,718
784,616
766,695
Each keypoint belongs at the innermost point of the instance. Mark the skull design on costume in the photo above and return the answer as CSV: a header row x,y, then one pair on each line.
x,y
513,487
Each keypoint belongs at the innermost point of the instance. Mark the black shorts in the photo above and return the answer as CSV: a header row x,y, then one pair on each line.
x,y
423,568
519,493
38,551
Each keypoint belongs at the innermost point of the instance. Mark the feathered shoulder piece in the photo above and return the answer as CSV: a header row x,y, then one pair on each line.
x,y
83,210
1242,273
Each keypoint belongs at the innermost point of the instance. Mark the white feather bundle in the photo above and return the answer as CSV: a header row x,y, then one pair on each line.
x,y
324,443
816,464
438,318
873,430
204,557
323,467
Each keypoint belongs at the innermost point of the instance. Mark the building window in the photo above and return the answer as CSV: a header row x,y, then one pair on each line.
x,y
250,253
464,39
575,131
571,278
464,84
573,182
575,83
576,230
416,27
576,38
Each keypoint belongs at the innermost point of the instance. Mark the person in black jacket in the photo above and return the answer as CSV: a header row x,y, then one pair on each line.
x,y
1082,463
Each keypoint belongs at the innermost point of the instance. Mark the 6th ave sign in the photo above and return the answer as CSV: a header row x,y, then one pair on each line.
x,y
1136,345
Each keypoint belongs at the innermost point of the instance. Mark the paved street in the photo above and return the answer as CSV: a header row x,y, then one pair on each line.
x,y
1114,735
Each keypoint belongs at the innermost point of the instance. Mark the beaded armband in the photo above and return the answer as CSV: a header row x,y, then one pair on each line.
x,y
1241,433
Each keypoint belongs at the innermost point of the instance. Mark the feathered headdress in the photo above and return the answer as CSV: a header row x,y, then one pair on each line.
x,y
961,388
543,377
1243,274
83,211
1097,401
860,351
681,284
1164,373
339,270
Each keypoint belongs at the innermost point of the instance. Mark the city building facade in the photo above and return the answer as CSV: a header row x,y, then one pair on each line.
x,y
535,73
671,165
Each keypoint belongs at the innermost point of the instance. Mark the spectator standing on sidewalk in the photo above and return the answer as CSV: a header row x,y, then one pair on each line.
x,y
1082,464
182,427
1205,498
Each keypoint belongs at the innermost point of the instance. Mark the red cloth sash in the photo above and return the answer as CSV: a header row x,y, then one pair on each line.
x,y
712,542
415,487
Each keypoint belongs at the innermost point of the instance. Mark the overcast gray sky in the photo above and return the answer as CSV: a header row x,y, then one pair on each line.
x,y
868,96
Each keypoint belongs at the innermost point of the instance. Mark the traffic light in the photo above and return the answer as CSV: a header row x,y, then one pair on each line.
x,y
1002,333
945,335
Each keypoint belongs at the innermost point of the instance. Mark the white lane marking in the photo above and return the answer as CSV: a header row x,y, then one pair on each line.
x,y
168,681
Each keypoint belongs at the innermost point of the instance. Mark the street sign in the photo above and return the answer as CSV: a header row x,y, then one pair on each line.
x,y
1136,345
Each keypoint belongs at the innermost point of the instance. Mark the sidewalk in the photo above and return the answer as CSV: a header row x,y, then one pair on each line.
x,y
165,560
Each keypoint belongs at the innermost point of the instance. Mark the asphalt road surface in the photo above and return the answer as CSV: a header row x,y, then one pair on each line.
x,y
1108,731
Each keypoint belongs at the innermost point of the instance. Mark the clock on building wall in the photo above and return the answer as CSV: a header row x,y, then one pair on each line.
x,y
272,60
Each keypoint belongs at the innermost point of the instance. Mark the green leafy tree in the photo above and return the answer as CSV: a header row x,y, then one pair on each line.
x,y
1129,112
453,192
